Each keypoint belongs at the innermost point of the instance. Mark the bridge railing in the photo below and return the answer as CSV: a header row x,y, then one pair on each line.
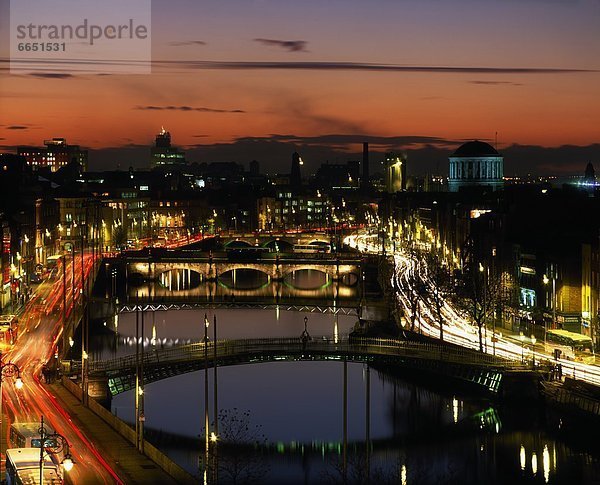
x,y
347,347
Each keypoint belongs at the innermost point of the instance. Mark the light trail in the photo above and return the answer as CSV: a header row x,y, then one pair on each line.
x,y
39,332
457,329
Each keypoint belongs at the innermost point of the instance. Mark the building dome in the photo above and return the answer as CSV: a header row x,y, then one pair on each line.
x,y
475,163
475,149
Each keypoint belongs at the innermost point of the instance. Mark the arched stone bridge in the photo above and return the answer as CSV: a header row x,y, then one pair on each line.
x,y
212,266
468,365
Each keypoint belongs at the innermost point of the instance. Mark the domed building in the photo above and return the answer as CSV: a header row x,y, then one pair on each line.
x,y
476,163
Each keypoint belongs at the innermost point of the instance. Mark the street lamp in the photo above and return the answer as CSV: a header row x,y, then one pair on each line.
x,y
533,340
522,337
8,370
206,423
546,280
53,443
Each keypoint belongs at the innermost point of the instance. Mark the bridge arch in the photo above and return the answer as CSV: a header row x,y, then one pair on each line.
x,y
244,278
280,245
180,279
238,243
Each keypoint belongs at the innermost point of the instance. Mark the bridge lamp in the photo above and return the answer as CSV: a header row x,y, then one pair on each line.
x,y
546,280
19,382
213,437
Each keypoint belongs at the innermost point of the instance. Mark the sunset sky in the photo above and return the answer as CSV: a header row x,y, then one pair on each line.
x,y
259,78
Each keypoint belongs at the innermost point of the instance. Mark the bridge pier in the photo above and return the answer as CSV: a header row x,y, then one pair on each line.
x,y
99,390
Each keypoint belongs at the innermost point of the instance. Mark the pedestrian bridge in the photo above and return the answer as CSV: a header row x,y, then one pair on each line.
x,y
468,365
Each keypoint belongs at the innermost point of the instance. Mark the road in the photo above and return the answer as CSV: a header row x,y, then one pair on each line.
x,y
39,331
457,329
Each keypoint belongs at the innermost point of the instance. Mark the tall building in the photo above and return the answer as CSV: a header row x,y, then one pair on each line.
x,y
395,172
55,154
589,177
476,163
338,175
295,176
366,177
163,154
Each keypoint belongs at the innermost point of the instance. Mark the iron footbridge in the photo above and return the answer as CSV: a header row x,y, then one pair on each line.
x,y
483,369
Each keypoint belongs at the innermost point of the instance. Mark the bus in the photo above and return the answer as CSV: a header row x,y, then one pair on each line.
x,y
52,264
27,435
572,346
23,467
9,328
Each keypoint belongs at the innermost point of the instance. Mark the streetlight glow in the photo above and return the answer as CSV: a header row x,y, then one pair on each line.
x,y
68,464
19,383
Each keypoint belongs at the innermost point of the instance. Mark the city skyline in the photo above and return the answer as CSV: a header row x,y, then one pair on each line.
x,y
256,80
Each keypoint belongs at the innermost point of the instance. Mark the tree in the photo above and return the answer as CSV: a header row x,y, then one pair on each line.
x,y
411,283
480,295
120,237
439,285
239,458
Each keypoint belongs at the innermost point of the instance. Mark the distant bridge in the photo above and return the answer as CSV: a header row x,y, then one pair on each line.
x,y
482,369
151,263
283,241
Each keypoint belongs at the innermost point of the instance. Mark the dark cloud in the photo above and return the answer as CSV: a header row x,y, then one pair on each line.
x,y
288,45
51,75
496,83
200,109
321,66
344,140
17,127
360,66
186,42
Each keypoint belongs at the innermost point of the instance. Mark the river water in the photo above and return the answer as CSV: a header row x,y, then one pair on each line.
x,y
419,433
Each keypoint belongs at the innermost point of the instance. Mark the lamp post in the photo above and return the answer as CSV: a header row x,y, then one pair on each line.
x,y
215,433
483,272
533,340
522,338
53,443
206,423
546,280
7,370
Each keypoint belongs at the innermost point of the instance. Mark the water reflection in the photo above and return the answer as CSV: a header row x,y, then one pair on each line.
x,y
417,434
308,279
179,279
246,285
299,408
244,279
166,328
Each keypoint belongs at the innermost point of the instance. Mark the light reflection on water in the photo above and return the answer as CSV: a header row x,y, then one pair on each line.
x,y
184,326
418,436
246,284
